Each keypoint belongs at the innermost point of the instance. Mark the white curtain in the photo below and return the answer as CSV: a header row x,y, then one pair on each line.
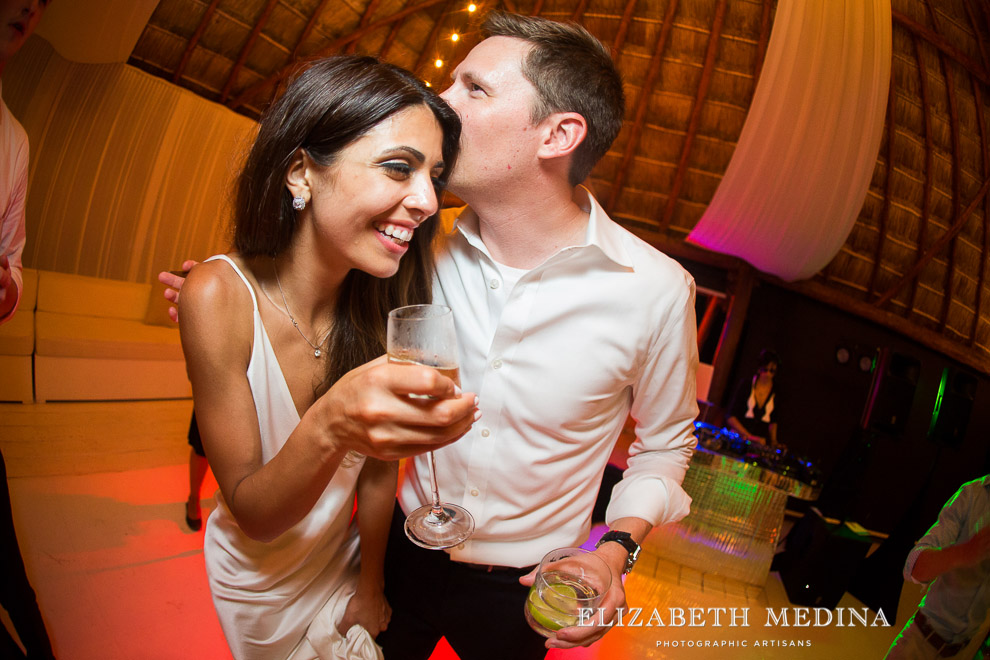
x,y
802,167
129,174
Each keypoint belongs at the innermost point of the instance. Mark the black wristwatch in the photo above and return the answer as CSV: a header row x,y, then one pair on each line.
x,y
626,541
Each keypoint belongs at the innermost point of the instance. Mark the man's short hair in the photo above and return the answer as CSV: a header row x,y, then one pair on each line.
x,y
572,72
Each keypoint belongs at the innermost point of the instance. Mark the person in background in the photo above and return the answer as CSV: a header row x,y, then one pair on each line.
x,y
953,559
753,408
284,338
198,466
18,19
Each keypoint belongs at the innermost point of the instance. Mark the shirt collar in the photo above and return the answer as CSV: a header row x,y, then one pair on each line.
x,y
602,232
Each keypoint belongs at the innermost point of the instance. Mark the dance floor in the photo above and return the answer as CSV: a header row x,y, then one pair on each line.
x,y
97,493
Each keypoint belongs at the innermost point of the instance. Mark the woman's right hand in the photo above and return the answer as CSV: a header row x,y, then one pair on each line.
x,y
369,609
369,410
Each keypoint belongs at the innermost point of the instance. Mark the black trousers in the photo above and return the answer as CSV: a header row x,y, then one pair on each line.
x,y
16,594
480,613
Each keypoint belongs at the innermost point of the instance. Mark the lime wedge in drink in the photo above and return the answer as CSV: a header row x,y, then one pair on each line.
x,y
560,597
547,616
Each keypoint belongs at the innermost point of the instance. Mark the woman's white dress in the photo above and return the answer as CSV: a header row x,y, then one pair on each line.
x,y
267,594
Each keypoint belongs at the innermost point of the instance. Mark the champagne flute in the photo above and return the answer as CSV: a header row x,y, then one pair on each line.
x,y
424,334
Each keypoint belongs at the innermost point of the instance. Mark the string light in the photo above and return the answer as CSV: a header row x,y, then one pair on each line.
x,y
444,51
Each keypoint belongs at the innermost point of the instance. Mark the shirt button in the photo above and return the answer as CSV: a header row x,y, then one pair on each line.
x,y
494,283
474,492
485,433
497,363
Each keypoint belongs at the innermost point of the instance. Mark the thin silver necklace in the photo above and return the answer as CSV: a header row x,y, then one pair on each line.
x,y
317,352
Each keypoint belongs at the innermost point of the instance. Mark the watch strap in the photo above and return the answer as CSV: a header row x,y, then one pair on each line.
x,y
626,541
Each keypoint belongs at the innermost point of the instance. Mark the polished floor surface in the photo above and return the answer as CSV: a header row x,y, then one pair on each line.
x,y
97,493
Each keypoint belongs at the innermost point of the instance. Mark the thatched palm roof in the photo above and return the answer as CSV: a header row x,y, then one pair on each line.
x,y
916,259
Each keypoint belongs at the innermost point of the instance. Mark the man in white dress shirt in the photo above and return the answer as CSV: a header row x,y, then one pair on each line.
x,y
567,323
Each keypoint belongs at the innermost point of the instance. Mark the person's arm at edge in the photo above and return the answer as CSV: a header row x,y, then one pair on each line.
x,y
10,292
937,551
15,236
933,562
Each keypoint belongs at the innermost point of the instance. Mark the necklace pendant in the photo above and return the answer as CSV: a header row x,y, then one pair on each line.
x,y
317,353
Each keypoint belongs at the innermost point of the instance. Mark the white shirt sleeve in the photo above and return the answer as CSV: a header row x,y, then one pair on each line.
x,y
664,409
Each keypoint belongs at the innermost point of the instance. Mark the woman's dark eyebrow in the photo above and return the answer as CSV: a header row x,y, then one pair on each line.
x,y
415,153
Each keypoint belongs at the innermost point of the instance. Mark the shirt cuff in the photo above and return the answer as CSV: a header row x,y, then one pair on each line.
x,y
658,501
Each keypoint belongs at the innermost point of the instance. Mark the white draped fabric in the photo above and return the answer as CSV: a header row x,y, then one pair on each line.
x,y
129,174
802,167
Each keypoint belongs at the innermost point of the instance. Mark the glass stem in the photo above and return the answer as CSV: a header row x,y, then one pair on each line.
x,y
438,511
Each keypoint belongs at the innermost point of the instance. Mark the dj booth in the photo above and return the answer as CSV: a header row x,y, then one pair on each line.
x,y
739,491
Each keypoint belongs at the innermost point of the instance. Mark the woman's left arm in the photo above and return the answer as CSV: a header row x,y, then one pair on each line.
x,y
375,503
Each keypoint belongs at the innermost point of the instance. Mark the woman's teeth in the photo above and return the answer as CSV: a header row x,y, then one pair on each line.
x,y
399,234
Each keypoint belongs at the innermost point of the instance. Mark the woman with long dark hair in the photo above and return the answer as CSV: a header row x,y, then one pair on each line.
x,y
752,411
334,216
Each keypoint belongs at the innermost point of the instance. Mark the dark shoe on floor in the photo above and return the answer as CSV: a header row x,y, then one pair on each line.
x,y
194,523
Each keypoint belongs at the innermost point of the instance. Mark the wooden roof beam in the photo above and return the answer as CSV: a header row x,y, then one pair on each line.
x,y
652,75
393,33
248,45
931,338
284,72
926,191
887,187
981,275
197,35
950,91
624,23
699,103
365,17
425,54
950,88
578,15
936,247
764,40
310,24
971,13
943,45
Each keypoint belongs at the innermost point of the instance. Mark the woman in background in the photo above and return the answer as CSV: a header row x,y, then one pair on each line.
x,y
334,216
752,412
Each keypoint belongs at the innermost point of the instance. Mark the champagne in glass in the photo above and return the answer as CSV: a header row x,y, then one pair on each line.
x,y
424,334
